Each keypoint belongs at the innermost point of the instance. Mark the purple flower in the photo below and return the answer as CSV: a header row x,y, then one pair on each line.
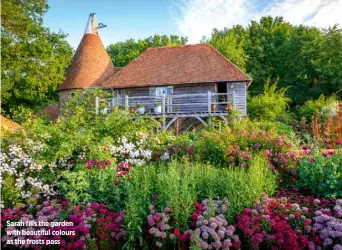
x,y
190,149
326,141
305,148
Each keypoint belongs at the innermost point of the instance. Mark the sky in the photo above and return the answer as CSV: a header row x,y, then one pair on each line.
x,y
194,19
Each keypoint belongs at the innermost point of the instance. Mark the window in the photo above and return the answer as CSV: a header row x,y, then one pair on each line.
x,y
164,90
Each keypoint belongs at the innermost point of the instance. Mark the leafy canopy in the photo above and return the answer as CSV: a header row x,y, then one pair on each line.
x,y
33,59
307,59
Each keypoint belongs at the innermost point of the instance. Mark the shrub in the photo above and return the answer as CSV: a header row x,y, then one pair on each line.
x,y
314,107
327,127
322,174
270,105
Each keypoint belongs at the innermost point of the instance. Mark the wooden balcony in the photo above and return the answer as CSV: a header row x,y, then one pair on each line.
x,y
171,107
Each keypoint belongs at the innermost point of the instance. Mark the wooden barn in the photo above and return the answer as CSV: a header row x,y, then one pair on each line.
x,y
189,81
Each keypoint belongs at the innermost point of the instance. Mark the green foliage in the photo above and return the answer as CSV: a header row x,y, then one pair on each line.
x,y
102,188
33,59
314,107
270,105
79,128
123,53
180,183
307,59
139,194
323,177
230,43
10,195
74,186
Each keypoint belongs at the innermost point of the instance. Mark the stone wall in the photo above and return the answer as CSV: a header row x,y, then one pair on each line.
x,y
65,96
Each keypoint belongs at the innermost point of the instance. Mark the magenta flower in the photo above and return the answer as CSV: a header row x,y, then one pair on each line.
x,y
107,162
89,164
312,160
338,142
326,141
325,154
305,148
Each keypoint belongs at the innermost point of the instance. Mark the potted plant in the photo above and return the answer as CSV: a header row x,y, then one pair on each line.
x,y
131,109
104,111
213,107
157,107
229,106
140,108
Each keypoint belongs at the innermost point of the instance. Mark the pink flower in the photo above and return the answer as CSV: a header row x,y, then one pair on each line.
x,y
312,160
157,217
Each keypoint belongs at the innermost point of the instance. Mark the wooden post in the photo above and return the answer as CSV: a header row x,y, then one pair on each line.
x,y
234,99
163,103
97,101
126,102
113,103
209,101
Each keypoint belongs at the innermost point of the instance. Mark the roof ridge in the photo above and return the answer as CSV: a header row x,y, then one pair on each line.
x,y
178,45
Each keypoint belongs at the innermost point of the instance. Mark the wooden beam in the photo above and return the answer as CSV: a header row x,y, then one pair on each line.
x,y
201,120
170,122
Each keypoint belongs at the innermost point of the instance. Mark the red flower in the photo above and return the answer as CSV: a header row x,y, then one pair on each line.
x,y
194,217
182,237
176,232
116,183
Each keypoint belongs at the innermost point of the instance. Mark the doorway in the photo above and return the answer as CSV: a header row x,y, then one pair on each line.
x,y
222,88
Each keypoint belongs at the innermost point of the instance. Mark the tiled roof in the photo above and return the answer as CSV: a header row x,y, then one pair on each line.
x,y
8,124
177,64
91,65
52,111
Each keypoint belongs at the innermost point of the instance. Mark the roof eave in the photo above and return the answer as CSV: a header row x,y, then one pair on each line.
x,y
177,83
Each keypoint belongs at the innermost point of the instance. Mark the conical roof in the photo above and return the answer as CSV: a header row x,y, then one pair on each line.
x,y
91,64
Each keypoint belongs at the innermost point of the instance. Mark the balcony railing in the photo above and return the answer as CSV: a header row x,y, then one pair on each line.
x,y
169,104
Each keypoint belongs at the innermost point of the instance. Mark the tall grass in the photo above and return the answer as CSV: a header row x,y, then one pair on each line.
x,y
178,184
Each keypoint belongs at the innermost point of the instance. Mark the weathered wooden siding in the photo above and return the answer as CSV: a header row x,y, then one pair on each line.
x,y
137,92
240,96
196,104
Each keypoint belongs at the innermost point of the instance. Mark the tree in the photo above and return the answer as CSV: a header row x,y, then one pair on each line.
x,y
306,60
122,53
230,43
33,59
